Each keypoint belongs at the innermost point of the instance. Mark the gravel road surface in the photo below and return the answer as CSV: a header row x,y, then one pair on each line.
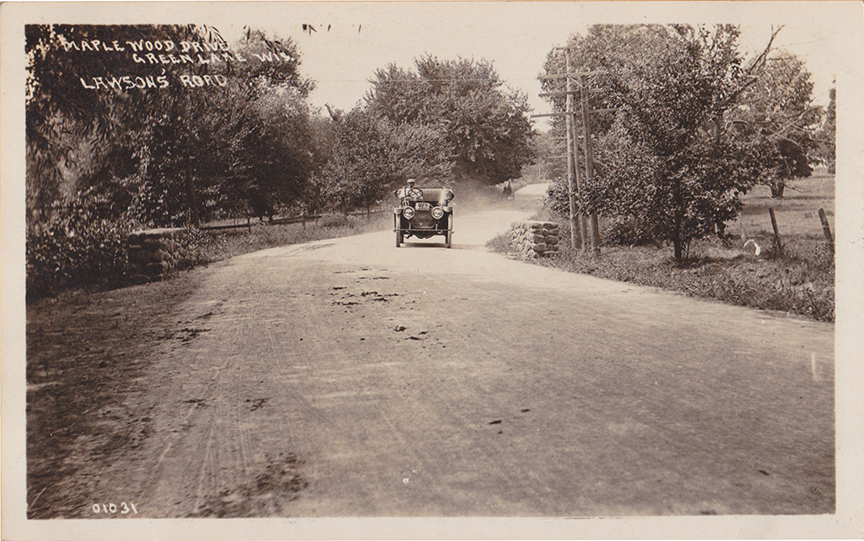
x,y
351,378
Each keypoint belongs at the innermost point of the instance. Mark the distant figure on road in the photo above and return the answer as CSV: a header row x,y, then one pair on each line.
x,y
507,193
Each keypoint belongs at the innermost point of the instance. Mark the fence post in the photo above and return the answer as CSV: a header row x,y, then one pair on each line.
x,y
778,247
826,229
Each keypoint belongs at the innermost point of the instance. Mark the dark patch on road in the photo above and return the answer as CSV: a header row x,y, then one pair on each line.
x,y
264,496
256,403
372,296
186,334
199,402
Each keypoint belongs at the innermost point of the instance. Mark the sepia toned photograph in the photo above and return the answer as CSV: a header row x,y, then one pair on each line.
x,y
412,263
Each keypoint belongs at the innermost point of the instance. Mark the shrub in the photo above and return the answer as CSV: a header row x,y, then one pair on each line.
x,y
72,249
625,230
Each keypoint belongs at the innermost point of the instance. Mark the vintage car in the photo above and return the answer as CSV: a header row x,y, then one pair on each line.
x,y
423,213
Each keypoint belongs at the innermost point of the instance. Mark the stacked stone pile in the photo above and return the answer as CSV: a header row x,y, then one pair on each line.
x,y
534,239
153,253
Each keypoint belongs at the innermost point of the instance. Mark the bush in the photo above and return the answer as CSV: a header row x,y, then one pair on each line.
x,y
72,249
626,231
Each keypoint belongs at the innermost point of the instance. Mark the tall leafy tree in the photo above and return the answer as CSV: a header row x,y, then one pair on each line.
x,y
371,156
484,126
275,154
668,158
778,115
213,132
63,97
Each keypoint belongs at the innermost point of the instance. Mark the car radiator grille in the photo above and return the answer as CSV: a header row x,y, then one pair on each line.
x,y
424,220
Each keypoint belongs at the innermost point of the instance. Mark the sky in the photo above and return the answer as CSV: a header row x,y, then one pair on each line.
x,y
351,40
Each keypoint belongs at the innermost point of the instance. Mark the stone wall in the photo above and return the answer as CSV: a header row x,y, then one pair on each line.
x,y
153,253
532,239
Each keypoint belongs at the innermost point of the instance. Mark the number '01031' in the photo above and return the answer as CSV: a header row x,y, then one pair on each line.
x,y
114,509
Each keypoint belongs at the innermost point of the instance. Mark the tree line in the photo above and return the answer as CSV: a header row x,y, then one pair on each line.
x,y
142,126
247,143
229,132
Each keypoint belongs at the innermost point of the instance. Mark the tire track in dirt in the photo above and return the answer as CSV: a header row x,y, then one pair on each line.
x,y
332,373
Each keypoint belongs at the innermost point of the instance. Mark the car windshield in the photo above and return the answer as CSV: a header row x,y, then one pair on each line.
x,y
434,194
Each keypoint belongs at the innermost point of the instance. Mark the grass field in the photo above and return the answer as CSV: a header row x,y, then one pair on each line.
x,y
797,213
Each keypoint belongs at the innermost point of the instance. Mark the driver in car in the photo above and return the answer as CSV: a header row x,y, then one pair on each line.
x,y
402,193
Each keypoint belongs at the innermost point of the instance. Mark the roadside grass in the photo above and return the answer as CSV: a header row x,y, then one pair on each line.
x,y
799,279
86,353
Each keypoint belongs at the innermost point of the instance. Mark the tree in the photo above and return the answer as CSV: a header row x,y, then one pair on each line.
x,y
244,147
371,157
666,156
826,136
210,134
63,96
778,115
484,127
552,162
274,157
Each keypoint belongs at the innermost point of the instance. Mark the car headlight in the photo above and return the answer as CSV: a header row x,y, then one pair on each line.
x,y
437,213
408,213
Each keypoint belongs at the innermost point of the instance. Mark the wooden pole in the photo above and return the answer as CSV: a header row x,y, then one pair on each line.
x,y
826,229
594,224
580,186
777,246
580,180
571,157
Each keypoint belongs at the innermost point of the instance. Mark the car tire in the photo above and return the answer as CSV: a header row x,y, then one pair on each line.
x,y
399,239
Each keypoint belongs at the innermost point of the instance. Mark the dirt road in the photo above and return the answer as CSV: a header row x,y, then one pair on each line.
x,y
348,377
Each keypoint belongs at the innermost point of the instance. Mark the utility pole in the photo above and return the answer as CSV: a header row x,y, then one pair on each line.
x,y
572,157
589,169
588,227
